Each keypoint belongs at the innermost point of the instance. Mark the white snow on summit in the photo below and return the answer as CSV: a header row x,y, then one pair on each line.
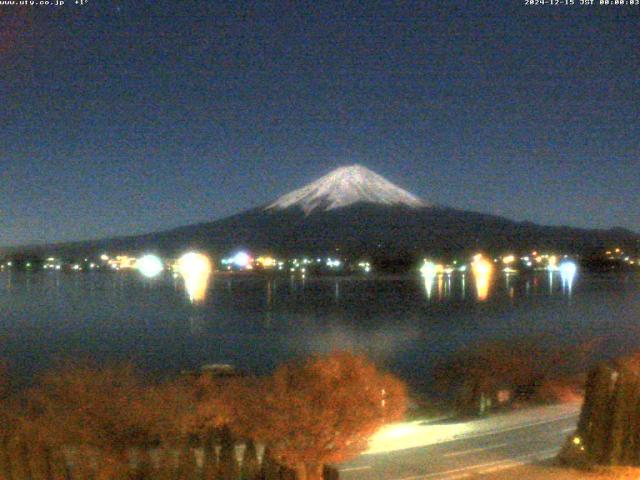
x,y
345,186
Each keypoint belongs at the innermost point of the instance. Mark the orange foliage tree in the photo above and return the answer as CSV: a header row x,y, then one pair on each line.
x,y
217,401
104,412
320,411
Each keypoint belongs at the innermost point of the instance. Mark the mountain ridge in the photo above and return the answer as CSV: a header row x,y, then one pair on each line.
x,y
357,212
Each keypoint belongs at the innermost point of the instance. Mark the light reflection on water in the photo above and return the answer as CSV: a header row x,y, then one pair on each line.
x,y
485,285
482,271
406,322
195,270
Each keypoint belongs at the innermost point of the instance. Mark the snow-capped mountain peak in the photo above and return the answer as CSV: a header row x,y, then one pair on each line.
x,y
346,186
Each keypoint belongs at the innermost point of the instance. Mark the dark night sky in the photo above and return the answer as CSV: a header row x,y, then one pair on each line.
x,y
124,117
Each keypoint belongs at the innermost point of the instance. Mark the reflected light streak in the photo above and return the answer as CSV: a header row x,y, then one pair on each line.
x,y
428,272
428,286
482,270
195,269
568,271
428,269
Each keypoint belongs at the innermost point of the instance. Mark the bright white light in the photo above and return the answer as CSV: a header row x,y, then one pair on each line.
x,y
568,269
193,263
331,263
241,259
149,265
401,436
428,269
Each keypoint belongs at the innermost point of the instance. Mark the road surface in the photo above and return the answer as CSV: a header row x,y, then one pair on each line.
x,y
448,451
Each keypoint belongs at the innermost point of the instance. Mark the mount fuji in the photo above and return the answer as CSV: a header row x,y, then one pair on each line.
x,y
356,212
346,186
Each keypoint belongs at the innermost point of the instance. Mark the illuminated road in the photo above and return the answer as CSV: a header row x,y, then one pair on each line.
x,y
464,450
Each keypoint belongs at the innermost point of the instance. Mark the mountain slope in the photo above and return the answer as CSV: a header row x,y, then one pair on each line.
x,y
356,212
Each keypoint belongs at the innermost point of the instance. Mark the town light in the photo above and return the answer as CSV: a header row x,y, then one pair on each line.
x,y
509,259
331,263
149,265
241,259
266,261
428,269
552,265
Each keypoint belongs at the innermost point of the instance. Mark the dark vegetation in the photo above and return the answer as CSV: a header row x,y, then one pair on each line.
x,y
82,422
608,431
510,373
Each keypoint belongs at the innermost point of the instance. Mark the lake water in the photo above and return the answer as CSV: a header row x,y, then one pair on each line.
x,y
255,323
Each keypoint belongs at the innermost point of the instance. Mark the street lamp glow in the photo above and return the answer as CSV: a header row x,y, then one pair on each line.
x,y
241,259
509,259
428,269
149,265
